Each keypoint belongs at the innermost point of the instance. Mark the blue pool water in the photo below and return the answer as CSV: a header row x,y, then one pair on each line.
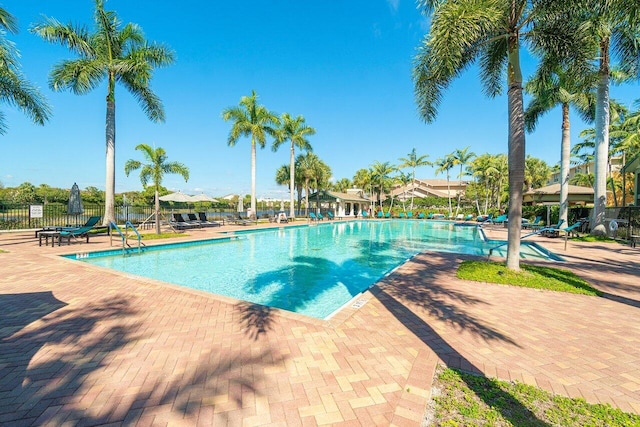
x,y
311,270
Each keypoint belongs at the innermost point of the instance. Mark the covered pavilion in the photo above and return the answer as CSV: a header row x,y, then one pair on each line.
x,y
349,204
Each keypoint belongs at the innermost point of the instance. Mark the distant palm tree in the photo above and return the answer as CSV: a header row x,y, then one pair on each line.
x,y
445,164
307,165
462,157
381,178
117,54
413,161
154,171
15,89
342,185
295,131
251,119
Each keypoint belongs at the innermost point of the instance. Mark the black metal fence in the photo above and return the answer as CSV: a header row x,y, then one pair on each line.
x,y
620,223
23,216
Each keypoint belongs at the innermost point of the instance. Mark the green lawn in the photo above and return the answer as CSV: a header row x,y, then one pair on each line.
x,y
530,276
462,399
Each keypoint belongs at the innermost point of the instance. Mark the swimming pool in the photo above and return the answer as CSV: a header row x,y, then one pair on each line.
x,y
311,270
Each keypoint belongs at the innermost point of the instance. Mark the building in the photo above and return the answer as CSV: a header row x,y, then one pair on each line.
x,y
585,168
430,188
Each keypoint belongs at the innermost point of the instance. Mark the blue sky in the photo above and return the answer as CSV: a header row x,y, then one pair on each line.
x,y
344,66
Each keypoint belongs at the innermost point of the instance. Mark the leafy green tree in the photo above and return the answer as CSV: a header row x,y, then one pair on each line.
x,y
492,32
15,89
251,119
26,193
363,180
117,54
296,131
154,171
342,185
536,173
414,161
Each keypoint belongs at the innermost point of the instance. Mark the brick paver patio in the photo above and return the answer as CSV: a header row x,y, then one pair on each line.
x,y
83,345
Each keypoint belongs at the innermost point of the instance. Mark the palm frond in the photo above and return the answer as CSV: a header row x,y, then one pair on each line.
x,y
8,21
75,38
149,102
16,90
80,75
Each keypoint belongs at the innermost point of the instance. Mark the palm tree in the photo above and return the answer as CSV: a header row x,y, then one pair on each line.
x,y
462,157
381,178
296,131
154,171
307,165
342,185
251,119
490,31
553,87
612,29
15,89
413,161
445,164
536,173
113,52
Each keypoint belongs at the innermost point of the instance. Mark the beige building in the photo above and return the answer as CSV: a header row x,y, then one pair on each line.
x,y
616,165
430,188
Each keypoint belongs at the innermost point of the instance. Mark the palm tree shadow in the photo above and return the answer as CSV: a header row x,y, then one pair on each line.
x,y
416,287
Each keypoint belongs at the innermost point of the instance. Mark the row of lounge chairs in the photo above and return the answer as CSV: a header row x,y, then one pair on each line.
x,y
180,223
319,217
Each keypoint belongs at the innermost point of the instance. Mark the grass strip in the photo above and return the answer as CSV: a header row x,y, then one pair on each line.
x,y
529,276
462,399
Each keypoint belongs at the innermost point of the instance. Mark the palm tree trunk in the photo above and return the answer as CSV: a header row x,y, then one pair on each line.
x,y
110,185
157,211
413,187
449,193
602,143
253,176
292,175
516,154
565,153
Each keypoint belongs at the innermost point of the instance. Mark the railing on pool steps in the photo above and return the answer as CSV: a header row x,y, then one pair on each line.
x,y
113,227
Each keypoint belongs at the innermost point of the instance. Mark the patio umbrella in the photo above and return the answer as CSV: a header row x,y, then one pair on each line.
x,y
202,198
281,205
240,205
74,206
176,197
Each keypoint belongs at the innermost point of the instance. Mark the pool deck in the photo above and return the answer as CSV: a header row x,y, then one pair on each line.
x,y
82,345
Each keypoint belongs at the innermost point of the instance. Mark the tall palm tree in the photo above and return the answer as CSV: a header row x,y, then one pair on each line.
x,y
117,53
15,89
553,87
307,165
154,171
413,161
445,164
251,119
491,31
295,131
462,157
613,28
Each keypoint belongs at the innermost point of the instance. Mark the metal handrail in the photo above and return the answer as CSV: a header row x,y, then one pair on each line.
x,y
128,225
521,239
113,226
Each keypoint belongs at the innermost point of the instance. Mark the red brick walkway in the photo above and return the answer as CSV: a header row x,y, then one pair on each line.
x,y
84,345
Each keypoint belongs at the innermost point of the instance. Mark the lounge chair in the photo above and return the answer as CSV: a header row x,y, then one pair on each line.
x,y
319,216
421,215
484,218
83,231
555,231
409,215
430,215
313,216
468,218
379,214
387,215
402,215
365,214
498,220
179,223
459,217
438,216
535,224
91,222
202,219
330,215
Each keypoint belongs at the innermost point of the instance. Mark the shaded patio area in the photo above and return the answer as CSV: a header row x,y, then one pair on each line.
x,y
106,347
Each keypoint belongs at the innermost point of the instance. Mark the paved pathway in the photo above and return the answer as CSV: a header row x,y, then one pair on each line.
x,y
85,345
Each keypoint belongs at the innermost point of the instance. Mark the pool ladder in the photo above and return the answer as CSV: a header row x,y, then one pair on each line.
x,y
113,227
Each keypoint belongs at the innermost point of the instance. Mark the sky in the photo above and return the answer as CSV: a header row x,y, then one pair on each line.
x,y
343,65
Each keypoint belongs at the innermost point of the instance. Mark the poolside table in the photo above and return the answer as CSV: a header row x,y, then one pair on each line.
x,y
46,234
